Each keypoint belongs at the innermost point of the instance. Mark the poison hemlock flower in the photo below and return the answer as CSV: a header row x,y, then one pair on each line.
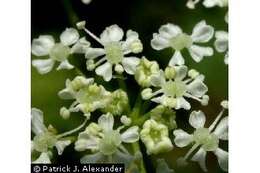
x,y
45,138
155,137
105,143
45,45
114,51
174,85
207,3
172,36
145,70
88,95
221,43
205,139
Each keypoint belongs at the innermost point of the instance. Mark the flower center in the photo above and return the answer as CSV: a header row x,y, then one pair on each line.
x,y
59,52
44,141
208,141
108,145
180,41
174,88
155,135
114,52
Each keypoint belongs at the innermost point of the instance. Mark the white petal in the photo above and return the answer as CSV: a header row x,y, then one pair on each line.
x,y
202,32
197,119
169,31
65,65
106,121
222,158
43,159
69,36
42,45
92,158
176,59
130,135
197,88
182,138
92,53
181,72
111,34
198,52
158,79
86,141
222,129
158,42
130,64
60,145
120,157
182,103
131,36
200,157
105,70
158,99
221,43
37,125
81,46
43,66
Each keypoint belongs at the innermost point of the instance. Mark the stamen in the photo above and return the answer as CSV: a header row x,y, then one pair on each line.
x,y
194,147
100,61
213,125
92,35
157,92
193,97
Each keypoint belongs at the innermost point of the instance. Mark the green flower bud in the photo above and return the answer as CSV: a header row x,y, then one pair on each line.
x,y
90,65
118,103
119,68
193,73
125,120
147,93
155,137
136,46
144,71
64,113
169,72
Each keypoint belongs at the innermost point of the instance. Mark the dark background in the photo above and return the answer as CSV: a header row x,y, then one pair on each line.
x,y
145,17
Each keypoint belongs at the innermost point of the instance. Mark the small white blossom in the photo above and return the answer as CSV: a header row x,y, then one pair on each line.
x,y
88,95
44,138
105,143
114,51
172,36
221,43
155,136
204,139
207,3
45,45
174,90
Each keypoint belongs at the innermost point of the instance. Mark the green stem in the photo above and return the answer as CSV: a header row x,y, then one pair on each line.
x,y
73,130
136,148
72,16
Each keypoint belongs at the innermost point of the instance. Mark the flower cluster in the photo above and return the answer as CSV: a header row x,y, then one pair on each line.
x,y
117,121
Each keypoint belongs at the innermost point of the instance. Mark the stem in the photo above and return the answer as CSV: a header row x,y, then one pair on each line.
x,y
136,148
72,16
73,130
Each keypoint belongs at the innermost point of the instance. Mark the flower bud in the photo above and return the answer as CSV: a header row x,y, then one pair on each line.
x,y
125,120
136,46
64,113
147,93
90,65
170,72
119,68
193,73
224,104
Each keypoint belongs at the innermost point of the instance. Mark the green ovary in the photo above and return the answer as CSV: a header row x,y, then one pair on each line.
x,y
108,145
114,52
208,140
174,88
155,134
180,41
59,52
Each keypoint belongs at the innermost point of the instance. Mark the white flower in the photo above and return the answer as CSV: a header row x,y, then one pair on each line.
x,y
45,45
113,52
88,95
204,139
207,3
155,136
86,1
172,36
44,138
221,43
174,90
106,143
